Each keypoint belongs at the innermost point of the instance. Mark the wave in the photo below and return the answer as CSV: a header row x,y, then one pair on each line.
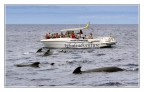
x,y
132,69
111,84
101,54
132,65
40,79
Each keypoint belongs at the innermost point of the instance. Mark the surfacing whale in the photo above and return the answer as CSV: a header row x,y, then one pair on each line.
x,y
35,65
103,69
47,53
39,50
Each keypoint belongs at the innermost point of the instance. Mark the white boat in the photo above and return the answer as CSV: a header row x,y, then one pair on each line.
x,y
80,42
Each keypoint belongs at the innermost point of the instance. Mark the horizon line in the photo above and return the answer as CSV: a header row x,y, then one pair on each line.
x,y
61,24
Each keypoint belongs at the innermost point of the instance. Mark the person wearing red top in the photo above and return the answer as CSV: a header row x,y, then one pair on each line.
x,y
73,35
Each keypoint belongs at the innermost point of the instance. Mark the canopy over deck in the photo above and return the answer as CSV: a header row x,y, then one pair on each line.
x,y
78,29
74,29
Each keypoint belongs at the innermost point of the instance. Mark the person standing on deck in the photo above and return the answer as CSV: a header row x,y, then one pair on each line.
x,y
73,35
80,33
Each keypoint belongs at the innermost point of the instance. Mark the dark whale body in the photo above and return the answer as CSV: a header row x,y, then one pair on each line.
x,y
104,69
39,50
52,64
35,65
47,53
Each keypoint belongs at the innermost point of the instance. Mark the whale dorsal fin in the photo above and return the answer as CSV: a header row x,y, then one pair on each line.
x,y
77,70
47,53
35,64
39,50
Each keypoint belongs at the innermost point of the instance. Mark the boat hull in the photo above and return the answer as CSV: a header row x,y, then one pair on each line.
x,y
54,44
60,43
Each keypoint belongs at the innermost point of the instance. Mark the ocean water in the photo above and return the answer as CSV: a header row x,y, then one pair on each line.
x,y
22,42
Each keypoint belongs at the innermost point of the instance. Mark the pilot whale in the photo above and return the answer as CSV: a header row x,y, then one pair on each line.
x,y
103,69
35,65
47,53
39,50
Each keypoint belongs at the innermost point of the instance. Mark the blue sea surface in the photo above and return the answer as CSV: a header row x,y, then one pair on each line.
x,y
22,42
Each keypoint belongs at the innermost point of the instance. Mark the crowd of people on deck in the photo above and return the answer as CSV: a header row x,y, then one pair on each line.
x,y
68,35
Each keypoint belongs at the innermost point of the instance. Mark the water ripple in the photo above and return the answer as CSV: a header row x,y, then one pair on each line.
x,y
111,84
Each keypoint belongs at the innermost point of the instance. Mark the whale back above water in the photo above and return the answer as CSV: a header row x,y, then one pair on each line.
x,y
35,64
47,53
39,50
103,69
77,70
